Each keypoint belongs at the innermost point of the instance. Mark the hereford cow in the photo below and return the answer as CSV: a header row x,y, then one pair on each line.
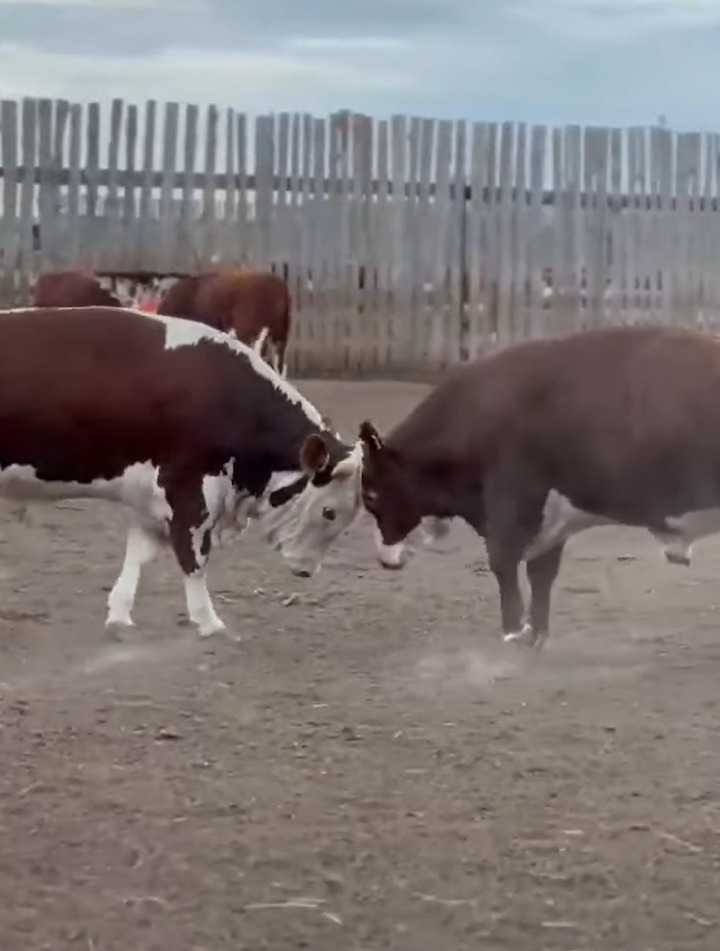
x,y
71,288
187,427
253,306
544,439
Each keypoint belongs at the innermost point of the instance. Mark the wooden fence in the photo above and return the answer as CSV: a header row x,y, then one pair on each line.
x,y
410,244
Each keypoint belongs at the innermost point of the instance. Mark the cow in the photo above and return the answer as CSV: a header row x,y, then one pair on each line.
x,y
253,306
71,287
74,287
188,428
550,437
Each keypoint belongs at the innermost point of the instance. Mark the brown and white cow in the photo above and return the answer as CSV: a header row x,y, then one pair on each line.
x,y
253,306
187,427
71,287
544,439
74,287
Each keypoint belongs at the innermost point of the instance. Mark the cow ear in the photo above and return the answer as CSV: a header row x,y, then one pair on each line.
x,y
314,455
370,436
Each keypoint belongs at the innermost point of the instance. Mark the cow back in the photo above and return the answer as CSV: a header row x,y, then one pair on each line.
x,y
71,288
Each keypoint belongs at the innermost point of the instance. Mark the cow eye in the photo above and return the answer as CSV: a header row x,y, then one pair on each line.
x,y
328,513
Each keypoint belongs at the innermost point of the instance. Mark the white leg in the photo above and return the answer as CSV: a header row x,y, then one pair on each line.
x,y
199,606
141,548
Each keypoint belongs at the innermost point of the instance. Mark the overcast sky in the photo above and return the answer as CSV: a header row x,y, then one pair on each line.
x,y
555,61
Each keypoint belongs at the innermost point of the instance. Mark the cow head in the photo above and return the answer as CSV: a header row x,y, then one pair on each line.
x,y
301,513
392,492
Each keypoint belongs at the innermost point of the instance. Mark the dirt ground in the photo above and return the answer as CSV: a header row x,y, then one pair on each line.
x,y
369,768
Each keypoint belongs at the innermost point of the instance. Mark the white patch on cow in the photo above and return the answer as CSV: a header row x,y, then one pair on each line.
x,y
199,606
189,333
298,529
141,548
560,520
218,494
222,514
392,556
526,635
136,487
686,529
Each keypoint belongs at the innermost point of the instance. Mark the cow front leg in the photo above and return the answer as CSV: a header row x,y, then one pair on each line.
x,y
190,535
512,519
140,548
504,567
542,572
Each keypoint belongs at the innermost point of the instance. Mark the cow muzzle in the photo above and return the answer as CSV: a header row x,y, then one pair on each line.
x,y
391,557
301,568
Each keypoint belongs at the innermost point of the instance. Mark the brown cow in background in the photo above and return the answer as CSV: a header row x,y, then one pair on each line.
x,y
74,287
71,288
253,306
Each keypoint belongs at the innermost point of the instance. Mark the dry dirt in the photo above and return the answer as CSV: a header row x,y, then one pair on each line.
x,y
369,769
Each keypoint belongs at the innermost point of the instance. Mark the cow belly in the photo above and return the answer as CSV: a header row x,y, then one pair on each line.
x,y
560,521
136,487
685,529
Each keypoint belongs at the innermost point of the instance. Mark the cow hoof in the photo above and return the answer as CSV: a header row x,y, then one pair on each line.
x,y
115,627
677,558
211,629
525,637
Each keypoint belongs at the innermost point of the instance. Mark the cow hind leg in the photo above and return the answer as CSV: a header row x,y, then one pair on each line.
x,y
190,535
542,572
141,547
513,519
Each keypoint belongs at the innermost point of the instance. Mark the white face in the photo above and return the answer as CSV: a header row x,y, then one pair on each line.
x,y
303,528
431,529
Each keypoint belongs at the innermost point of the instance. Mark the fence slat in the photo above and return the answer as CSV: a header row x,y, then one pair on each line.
x,y
317,261
9,223
506,324
455,348
228,250
129,220
168,228
439,250
534,218
111,237
242,235
27,193
382,242
188,254
518,222
207,231
148,230
400,298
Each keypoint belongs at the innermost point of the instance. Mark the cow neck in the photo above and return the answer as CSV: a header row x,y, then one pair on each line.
x,y
425,436
283,425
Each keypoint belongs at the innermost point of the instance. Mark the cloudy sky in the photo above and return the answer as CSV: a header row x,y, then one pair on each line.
x,y
555,61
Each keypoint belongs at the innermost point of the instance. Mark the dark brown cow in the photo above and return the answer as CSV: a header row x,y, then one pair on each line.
x,y
71,288
188,428
253,306
547,438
